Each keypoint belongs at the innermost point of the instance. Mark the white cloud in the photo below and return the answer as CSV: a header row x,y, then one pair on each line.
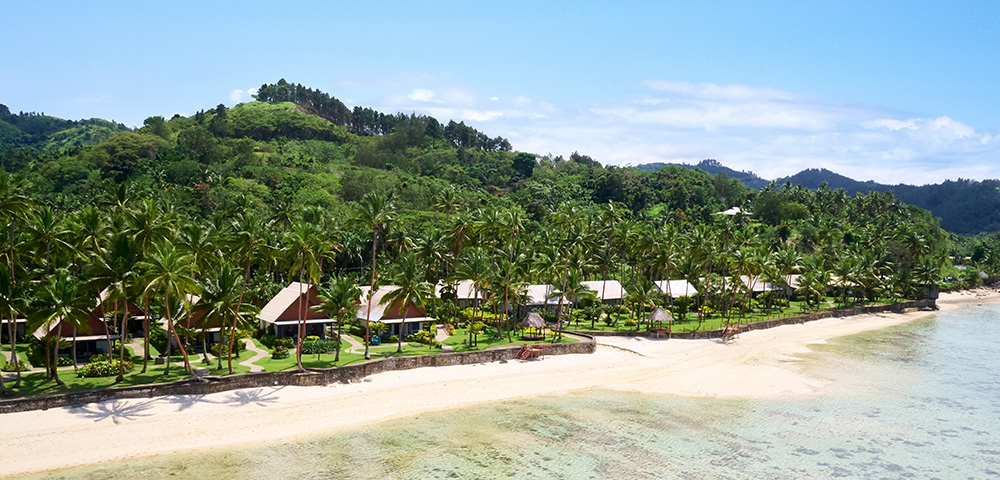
x,y
242,96
421,95
768,131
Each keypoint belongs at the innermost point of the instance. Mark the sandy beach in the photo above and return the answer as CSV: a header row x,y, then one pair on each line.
x,y
759,364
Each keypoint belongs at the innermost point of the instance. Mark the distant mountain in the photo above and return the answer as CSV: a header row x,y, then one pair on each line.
x,y
966,207
749,179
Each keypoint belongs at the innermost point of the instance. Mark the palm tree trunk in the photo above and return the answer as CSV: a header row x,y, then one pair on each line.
x,y
14,359
232,332
371,293
170,323
340,323
145,334
302,327
121,342
399,339
72,350
55,362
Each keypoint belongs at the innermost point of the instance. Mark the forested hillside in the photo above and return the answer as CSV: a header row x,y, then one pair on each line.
x,y
966,207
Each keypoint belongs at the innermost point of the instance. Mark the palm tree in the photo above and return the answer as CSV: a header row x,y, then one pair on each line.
x,y
220,300
300,247
408,277
170,271
374,212
62,301
48,235
248,241
339,300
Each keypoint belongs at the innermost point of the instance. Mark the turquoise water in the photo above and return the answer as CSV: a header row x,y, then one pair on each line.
x,y
917,401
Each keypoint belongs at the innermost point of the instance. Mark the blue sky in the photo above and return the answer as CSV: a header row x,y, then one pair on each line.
x,y
889,91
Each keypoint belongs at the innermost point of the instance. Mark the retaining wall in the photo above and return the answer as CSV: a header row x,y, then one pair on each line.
x,y
313,376
840,312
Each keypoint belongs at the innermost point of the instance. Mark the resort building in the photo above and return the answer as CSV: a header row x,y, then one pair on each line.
x,y
194,321
19,325
105,310
90,340
540,296
391,314
611,292
676,288
464,293
283,314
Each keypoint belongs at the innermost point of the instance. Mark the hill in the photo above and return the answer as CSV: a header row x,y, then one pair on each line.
x,y
714,167
966,207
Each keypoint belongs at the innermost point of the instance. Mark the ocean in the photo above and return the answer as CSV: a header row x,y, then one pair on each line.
x,y
921,400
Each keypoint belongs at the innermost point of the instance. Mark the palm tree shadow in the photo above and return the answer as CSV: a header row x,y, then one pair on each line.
x,y
184,402
256,396
118,410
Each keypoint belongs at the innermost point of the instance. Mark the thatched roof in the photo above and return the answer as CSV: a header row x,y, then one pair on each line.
x,y
532,320
660,315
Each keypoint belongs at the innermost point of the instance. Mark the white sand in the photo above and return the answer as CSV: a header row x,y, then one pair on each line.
x,y
759,364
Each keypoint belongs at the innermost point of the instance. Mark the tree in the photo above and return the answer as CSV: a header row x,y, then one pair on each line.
x,y
374,212
61,301
300,247
220,300
339,300
170,271
411,288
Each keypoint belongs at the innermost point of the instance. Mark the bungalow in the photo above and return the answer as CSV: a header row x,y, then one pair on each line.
x,y
193,321
540,296
392,314
465,293
89,341
610,291
284,312
19,325
136,315
676,288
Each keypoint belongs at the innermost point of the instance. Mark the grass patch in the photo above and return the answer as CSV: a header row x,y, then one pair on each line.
x,y
488,339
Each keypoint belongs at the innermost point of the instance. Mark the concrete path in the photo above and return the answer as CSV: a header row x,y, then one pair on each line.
x,y
356,346
441,336
257,355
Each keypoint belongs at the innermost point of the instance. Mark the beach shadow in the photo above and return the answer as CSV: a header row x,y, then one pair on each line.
x,y
184,402
118,410
256,396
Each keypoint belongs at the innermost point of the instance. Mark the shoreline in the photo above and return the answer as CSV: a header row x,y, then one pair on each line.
x,y
761,363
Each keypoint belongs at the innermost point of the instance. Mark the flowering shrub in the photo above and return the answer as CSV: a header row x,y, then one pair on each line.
x,y
103,369
280,351
100,357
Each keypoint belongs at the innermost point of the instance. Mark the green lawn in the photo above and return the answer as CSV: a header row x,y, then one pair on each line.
x,y
35,383
690,322
489,339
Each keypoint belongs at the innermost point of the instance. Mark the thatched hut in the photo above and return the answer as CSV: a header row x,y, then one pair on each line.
x,y
660,315
534,326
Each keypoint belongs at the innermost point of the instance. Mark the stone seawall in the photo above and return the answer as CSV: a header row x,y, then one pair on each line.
x,y
313,376
746,327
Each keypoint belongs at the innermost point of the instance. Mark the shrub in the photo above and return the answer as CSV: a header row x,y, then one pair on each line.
x,y
393,339
65,361
315,347
284,342
267,341
239,347
280,352
103,369
311,338
158,339
449,328
100,357
630,322
9,367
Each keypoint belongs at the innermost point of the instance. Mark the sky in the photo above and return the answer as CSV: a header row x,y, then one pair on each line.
x,y
891,91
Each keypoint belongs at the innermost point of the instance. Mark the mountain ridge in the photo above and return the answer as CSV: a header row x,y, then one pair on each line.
x,y
964,206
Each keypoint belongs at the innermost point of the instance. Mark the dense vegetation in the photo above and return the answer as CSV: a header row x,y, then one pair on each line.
x,y
965,207
233,203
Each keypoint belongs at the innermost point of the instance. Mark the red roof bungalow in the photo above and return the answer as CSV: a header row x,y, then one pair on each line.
x,y
284,312
89,341
391,315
